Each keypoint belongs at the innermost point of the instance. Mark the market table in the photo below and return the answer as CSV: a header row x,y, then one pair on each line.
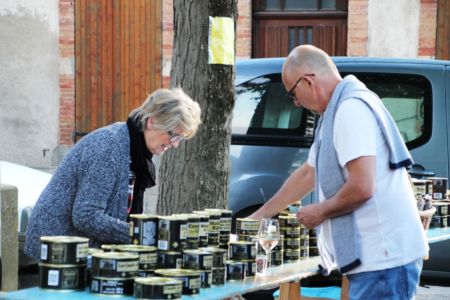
x,y
281,275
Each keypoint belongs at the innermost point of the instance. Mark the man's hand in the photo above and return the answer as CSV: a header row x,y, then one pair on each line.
x,y
311,215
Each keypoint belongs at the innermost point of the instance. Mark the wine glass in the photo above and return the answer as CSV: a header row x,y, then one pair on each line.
x,y
268,236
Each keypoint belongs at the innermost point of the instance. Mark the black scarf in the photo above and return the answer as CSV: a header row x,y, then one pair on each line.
x,y
141,164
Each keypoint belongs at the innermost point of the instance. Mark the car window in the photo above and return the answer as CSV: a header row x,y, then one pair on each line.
x,y
262,108
408,98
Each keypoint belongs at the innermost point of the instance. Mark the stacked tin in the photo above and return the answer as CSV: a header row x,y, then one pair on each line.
x,y
62,263
313,250
242,260
147,257
219,257
213,227
144,229
246,229
304,242
199,260
290,230
224,226
172,233
440,202
113,273
203,228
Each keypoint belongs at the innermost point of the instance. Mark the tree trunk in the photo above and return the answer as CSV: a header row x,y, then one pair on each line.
x,y
195,175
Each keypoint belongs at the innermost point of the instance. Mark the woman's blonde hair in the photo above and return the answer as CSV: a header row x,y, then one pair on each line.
x,y
170,109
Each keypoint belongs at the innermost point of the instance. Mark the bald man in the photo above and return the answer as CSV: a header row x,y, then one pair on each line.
x,y
364,207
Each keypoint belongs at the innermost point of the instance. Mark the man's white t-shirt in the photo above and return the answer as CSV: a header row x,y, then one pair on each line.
x,y
389,226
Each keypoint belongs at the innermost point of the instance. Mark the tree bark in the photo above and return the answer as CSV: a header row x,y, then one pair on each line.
x,y
195,175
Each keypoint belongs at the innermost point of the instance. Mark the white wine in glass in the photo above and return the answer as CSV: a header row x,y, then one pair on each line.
x,y
268,236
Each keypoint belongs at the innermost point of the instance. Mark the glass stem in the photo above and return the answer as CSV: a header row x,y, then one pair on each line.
x,y
269,256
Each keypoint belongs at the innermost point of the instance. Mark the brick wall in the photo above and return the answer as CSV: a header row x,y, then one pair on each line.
x,y
357,35
67,72
427,28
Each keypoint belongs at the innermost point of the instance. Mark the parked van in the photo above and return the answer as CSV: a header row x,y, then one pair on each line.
x,y
271,137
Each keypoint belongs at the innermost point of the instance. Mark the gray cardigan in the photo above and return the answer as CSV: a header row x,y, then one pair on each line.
x,y
88,194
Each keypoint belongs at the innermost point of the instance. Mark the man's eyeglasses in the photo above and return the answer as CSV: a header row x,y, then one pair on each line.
x,y
291,93
173,137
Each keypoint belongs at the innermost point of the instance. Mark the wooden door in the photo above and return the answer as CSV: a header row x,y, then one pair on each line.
x,y
281,25
443,30
117,59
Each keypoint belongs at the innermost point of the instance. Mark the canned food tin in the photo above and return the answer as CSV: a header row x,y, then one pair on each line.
x,y
145,229
205,278
289,220
439,187
312,233
242,250
304,252
190,278
218,276
147,255
292,243
114,264
276,258
419,186
291,254
250,268
441,208
312,242
219,256
62,277
213,239
192,230
214,224
224,238
247,226
172,231
64,249
170,260
313,251
203,228
439,221
225,218
290,232
157,288
112,286
246,237
196,259
236,269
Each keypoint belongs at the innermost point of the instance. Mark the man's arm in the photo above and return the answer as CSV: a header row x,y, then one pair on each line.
x,y
297,186
358,188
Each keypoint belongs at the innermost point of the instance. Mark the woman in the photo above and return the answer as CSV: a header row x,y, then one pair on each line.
x,y
88,194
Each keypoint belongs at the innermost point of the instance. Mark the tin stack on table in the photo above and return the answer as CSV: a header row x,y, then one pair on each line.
x,y
313,250
290,230
224,227
62,263
113,273
440,202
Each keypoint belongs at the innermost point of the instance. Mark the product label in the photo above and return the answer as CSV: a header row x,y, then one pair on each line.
x,y
107,264
149,234
172,289
163,245
250,226
225,224
203,229
53,278
148,258
183,231
127,266
82,250
207,261
44,251
194,283
193,230
214,226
